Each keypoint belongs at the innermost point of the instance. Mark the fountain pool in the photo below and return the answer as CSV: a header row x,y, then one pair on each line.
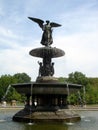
x,y
89,121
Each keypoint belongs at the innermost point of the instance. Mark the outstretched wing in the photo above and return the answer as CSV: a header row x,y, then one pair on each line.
x,y
38,21
55,24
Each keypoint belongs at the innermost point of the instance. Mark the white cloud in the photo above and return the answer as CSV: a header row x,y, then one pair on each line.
x,y
17,60
81,52
7,33
80,19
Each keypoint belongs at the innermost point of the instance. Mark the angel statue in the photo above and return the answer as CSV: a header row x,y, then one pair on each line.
x,y
47,39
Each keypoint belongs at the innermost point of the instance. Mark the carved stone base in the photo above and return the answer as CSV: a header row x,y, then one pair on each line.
x,y
47,79
64,115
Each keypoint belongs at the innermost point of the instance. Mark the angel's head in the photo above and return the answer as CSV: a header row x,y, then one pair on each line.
x,y
47,21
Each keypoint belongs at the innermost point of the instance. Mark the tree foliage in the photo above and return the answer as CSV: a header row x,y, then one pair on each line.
x,y
22,78
91,87
6,80
92,91
78,78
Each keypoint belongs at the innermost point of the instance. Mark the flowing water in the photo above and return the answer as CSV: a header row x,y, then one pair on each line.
x,y
8,88
89,121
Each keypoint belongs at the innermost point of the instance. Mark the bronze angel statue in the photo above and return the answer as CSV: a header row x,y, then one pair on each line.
x,y
47,39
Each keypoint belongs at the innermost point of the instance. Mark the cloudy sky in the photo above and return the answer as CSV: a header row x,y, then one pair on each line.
x,y
78,35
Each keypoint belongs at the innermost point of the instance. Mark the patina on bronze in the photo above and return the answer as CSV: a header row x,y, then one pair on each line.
x,y
47,30
49,96
47,53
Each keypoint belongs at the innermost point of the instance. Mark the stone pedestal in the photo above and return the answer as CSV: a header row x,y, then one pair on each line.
x,y
62,116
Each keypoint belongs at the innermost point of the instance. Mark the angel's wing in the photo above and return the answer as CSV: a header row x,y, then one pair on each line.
x,y
38,21
55,24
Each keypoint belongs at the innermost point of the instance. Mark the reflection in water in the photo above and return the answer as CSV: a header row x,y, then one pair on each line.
x,y
2,120
89,121
69,123
46,127
30,123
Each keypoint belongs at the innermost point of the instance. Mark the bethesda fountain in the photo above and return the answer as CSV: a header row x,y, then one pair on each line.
x,y
46,97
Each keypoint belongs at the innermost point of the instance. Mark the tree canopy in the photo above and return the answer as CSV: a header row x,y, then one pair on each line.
x,y
22,77
91,85
6,80
78,78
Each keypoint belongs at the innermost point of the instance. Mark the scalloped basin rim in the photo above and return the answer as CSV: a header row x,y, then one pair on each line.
x,y
52,52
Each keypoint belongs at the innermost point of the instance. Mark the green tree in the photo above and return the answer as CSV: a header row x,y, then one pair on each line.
x,y
5,81
92,91
62,79
78,78
13,95
22,78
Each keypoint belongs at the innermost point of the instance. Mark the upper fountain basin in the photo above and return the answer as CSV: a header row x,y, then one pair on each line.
x,y
42,52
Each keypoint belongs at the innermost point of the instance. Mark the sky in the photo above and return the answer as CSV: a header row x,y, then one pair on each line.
x,y
78,35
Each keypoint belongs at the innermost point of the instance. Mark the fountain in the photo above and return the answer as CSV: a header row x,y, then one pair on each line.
x,y
8,88
4,96
47,95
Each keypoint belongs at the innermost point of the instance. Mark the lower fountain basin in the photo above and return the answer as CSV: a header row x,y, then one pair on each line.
x,y
51,99
64,116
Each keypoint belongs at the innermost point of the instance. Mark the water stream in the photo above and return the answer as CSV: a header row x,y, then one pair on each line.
x,y
30,123
8,88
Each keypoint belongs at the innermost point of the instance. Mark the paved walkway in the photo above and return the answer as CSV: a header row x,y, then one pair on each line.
x,y
12,107
79,108
85,108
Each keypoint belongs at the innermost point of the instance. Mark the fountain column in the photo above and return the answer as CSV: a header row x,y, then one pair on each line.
x,y
47,91
28,100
